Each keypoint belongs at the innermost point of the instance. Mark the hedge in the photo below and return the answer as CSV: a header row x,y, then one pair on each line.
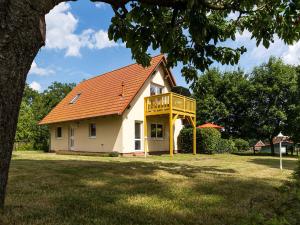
x,y
209,141
241,144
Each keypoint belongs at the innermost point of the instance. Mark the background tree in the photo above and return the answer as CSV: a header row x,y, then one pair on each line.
x,y
207,92
223,98
275,88
189,31
292,126
34,107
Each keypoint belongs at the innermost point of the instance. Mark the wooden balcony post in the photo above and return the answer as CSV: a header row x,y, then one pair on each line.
x,y
194,136
145,128
171,133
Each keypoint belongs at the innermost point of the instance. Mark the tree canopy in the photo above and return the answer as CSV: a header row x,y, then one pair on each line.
x,y
194,32
256,105
34,107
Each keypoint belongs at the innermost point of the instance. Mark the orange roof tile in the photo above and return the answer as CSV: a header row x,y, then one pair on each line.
x,y
102,95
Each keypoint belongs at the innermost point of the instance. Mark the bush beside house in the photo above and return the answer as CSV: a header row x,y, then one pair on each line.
x,y
209,141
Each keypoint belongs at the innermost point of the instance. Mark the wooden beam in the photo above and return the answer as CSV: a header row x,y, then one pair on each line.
x,y
171,135
194,137
145,131
171,132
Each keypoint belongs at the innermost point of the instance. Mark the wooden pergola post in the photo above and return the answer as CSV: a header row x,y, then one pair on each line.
x,y
171,134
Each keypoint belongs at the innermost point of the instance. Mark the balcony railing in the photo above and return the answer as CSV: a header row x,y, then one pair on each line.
x,y
164,103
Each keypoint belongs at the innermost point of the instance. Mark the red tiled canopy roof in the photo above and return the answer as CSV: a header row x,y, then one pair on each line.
x,y
107,94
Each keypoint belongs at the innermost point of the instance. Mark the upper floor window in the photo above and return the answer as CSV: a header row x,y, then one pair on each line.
x,y
58,132
74,100
156,89
92,130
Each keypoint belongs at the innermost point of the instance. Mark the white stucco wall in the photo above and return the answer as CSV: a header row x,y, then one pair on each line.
x,y
108,135
57,144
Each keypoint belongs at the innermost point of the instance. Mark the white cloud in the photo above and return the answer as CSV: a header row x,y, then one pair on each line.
x,y
292,55
101,40
35,86
35,69
242,36
100,5
61,27
276,48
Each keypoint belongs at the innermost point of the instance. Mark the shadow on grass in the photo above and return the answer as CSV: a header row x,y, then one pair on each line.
x,y
84,192
274,162
251,154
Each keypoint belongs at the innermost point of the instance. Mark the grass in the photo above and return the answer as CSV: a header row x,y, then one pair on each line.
x,y
52,189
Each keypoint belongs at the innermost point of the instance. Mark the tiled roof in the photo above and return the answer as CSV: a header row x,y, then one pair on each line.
x,y
102,95
259,144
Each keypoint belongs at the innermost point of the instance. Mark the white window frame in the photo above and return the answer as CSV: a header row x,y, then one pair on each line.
x,y
74,100
141,135
163,132
156,88
90,130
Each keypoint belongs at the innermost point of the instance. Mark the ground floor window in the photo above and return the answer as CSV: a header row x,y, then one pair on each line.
x,y
92,130
58,132
137,135
156,130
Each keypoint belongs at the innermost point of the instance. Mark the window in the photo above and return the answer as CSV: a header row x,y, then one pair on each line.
x,y
137,135
74,100
58,132
157,131
155,89
92,130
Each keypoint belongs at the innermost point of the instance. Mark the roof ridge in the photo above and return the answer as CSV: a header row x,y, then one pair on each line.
x,y
123,67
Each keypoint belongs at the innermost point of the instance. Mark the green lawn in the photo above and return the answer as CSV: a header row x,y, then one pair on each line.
x,y
50,189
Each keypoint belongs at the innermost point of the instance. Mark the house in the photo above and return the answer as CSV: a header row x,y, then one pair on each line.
x,y
258,145
130,110
284,142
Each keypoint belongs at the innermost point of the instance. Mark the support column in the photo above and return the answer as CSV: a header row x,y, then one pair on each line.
x,y
145,129
145,136
171,134
194,137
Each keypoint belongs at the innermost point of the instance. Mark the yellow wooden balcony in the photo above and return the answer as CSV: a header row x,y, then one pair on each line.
x,y
175,106
169,103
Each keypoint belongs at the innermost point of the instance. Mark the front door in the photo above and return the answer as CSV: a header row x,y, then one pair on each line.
x,y
138,135
72,138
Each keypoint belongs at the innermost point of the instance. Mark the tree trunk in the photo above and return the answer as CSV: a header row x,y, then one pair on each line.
x,y
272,146
20,40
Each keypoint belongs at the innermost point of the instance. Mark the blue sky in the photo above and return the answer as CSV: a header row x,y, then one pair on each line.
x,y
77,47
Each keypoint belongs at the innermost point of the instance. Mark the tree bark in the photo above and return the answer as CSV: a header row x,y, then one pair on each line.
x,y
21,37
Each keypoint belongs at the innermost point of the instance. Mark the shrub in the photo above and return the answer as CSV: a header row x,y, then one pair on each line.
x,y
207,140
241,144
226,146
23,146
114,154
210,138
